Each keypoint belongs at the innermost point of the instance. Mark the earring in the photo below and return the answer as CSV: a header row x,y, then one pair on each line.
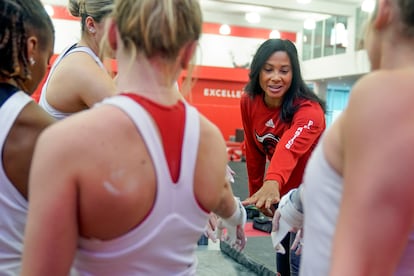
x,y
92,30
32,61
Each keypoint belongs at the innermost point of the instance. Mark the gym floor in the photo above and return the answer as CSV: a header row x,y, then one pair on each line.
x,y
258,257
212,261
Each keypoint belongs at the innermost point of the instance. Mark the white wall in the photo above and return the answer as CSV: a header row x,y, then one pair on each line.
x,y
221,51
67,32
217,50
348,64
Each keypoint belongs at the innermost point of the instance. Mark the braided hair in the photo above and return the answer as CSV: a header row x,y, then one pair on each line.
x,y
20,19
13,48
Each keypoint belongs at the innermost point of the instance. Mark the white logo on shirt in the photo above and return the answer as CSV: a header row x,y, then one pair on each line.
x,y
297,133
270,124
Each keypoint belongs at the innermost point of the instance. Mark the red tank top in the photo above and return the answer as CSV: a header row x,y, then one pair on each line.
x,y
170,121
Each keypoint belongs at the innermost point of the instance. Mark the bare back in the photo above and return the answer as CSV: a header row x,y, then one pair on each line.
x,y
115,179
19,146
108,189
371,149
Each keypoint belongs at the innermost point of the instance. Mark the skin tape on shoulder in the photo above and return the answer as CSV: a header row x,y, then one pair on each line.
x,y
278,236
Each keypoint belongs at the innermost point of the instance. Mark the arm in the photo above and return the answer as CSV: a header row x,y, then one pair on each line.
x,y
233,218
97,84
375,217
288,217
307,126
51,231
255,159
212,186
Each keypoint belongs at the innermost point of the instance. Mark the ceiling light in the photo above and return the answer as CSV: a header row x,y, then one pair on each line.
x,y
309,24
368,6
49,9
252,17
225,29
304,1
274,34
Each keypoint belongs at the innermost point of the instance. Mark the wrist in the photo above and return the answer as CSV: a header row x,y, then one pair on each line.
x,y
239,215
273,184
289,211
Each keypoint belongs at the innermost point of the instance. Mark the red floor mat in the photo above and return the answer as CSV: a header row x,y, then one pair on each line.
x,y
251,232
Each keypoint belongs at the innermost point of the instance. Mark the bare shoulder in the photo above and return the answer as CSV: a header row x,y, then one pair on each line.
x,y
377,136
84,133
383,90
31,122
70,79
378,122
80,67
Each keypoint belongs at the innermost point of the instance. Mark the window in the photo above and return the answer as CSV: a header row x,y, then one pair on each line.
x,y
330,37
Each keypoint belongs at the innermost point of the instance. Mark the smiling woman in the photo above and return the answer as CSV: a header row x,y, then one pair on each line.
x,y
283,120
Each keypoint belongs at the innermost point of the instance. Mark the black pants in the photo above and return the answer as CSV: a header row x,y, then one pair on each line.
x,y
288,264
282,260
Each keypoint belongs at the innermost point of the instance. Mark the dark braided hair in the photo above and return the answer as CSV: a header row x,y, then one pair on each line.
x,y
20,19
37,21
14,63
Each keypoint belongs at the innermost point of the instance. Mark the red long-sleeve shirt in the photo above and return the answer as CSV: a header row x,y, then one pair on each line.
x,y
287,145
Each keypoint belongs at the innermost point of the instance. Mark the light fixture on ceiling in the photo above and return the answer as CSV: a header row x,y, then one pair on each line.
x,y
368,6
309,24
225,29
274,34
304,1
252,17
49,9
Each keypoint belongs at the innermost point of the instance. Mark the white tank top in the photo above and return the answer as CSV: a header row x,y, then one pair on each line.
x,y
322,196
58,115
165,242
13,206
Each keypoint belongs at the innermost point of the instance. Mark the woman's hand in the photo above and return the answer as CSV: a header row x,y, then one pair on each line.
x,y
265,197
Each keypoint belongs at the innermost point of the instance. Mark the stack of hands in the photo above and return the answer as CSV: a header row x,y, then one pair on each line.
x,y
230,230
287,218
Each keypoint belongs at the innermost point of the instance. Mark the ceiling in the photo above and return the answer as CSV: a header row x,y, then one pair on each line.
x,y
283,15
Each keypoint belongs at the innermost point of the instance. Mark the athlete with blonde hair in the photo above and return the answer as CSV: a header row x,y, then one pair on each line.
x,y
126,188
